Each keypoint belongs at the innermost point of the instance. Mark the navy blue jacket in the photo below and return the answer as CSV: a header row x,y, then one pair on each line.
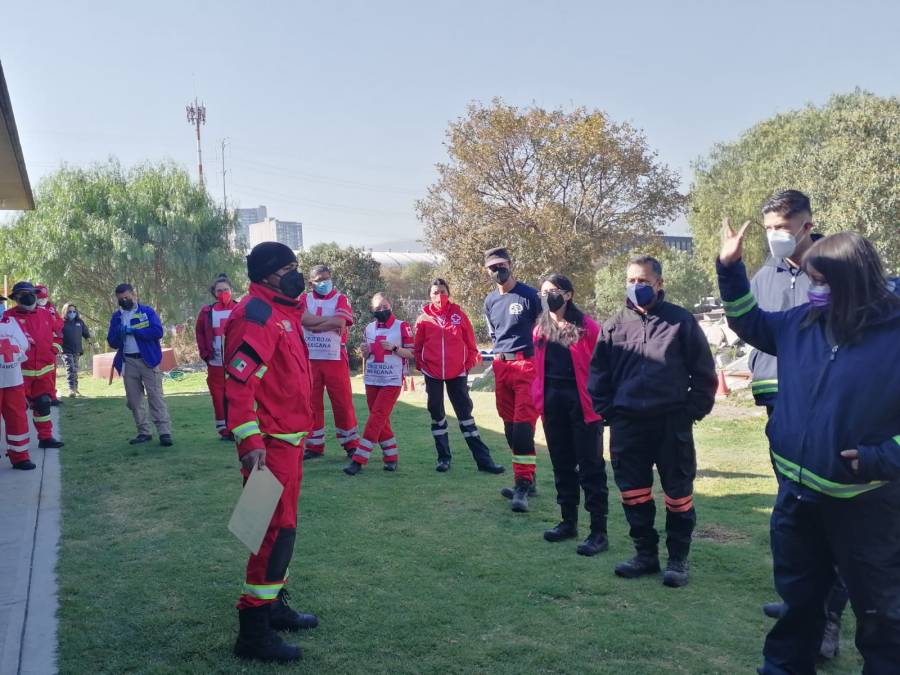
x,y
830,398
777,286
148,331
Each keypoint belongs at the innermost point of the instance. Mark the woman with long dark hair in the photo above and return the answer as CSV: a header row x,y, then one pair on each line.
x,y
564,340
835,441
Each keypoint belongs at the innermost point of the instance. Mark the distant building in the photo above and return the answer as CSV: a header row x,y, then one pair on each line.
x,y
245,218
679,243
289,233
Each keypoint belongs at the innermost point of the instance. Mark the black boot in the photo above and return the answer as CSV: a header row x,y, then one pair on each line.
x,y
352,468
638,566
520,495
283,617
50,443
257,640
508,492
492,468
597,541
676,574
774,610
568,528
24,465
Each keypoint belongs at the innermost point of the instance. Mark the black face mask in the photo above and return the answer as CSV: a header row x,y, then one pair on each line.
x,y
292,284
27,299
500,275
382,314
127,304
553,301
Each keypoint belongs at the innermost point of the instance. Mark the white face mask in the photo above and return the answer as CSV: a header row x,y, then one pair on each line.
x,y
782,244
42,302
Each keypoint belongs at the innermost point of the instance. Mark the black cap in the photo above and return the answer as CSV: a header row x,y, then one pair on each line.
x,y
22,287
495,255
268,257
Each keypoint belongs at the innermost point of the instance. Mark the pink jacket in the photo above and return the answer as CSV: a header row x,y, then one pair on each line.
x,y
581,351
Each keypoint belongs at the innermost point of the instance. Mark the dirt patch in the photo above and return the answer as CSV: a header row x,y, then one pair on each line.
x,y
719,534
736,407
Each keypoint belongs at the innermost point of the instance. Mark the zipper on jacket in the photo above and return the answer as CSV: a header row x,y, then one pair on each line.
x,y
443,356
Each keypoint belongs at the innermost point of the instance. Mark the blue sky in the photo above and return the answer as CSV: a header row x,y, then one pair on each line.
x,y
336,112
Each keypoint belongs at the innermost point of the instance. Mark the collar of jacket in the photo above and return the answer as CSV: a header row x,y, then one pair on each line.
x,y
273,297
431,311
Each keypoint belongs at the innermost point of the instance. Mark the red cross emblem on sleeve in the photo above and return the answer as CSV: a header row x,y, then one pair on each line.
x,y
8,350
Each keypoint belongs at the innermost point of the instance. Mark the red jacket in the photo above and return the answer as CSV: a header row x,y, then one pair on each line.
x,y
581,351
445,342
267,388
204,328
44,342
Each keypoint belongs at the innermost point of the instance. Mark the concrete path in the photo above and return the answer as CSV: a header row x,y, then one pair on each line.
x,y
29,537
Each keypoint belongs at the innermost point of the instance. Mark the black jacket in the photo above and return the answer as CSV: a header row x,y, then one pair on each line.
x,y
653,364
73,332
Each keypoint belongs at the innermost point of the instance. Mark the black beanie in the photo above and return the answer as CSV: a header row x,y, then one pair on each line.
x,y
267,258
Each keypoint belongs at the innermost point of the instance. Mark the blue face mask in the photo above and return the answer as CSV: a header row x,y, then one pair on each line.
x,y
641,295
71,315
323,287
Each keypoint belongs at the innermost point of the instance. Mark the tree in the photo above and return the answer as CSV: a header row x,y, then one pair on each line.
x,y
559,189
356,274
94,228
684,279
845,155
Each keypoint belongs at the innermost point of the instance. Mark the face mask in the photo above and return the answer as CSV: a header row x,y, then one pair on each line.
x,y
27,300
224,297
292,284
641,295
323,287
2,309
71,315
553,301
819,296
442,301
500,276
382,315
782,244
42,302
127,304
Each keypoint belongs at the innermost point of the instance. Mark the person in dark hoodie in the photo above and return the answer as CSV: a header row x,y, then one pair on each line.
x,y
781,284
652,376
74,333
445,351
835,441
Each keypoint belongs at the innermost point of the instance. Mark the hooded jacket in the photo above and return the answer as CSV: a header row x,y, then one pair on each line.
x,y
830,398
445,342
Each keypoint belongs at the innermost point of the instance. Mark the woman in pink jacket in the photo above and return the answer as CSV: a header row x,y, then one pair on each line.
x,y
564,339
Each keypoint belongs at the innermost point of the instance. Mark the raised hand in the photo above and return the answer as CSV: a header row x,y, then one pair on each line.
x,y
732,248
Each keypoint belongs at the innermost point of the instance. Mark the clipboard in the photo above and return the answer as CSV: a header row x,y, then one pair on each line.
x,y
255,507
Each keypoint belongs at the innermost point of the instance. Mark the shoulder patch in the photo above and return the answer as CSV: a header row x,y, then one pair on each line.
x,y
258,311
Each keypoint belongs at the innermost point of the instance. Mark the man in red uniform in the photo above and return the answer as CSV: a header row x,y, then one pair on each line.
x,y
210,332
43,300
13,406
326,317
267,389
39,369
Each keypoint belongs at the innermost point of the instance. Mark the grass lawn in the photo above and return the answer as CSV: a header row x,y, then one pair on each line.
x,y
411,572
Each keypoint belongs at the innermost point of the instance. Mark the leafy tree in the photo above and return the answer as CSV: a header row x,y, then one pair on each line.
x,y
684,276
559,189
356,274
845,155
94,228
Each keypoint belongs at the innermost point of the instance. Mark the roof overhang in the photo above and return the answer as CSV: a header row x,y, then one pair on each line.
x,y
15,190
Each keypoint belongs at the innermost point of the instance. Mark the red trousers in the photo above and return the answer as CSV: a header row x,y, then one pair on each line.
x,y
333,377
378,430
14,409
515,405
39,392
267,571
215,380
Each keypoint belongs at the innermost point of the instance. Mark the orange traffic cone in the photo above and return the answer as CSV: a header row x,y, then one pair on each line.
x,y
412,383
722,389
404,383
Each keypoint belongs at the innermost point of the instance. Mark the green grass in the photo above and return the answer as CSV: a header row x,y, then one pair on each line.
x,y
413,572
